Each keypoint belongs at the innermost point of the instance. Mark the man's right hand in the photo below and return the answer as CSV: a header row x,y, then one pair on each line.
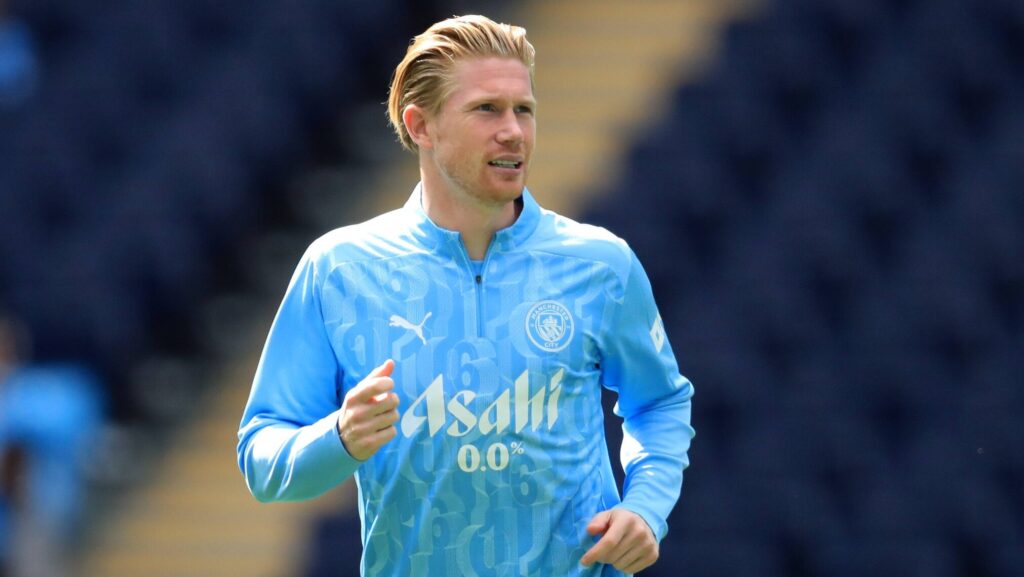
x,y
369,413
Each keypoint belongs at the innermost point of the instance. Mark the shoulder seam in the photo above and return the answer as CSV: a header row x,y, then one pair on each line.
x,y
621,278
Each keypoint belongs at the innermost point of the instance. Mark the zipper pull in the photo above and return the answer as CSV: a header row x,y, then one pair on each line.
x,y
479,279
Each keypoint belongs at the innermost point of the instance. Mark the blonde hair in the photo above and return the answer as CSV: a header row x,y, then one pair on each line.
x,y
423,77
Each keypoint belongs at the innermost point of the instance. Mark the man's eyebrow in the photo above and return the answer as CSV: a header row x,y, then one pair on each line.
x,y
474,102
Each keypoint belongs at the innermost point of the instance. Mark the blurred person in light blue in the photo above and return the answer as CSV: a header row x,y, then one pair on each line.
x,y
49,416
18,62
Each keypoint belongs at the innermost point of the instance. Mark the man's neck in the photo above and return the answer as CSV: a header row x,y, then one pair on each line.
x,y
475,221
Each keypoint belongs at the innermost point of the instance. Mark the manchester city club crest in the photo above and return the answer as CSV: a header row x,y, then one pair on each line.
x,y
550,326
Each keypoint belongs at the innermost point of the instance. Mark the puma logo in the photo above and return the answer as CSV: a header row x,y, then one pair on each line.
x,y
397,321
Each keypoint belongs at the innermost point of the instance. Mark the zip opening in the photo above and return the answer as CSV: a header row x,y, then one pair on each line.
x,y
478,283
480,303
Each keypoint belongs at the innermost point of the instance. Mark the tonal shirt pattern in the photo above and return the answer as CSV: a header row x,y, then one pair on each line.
x,y
500,460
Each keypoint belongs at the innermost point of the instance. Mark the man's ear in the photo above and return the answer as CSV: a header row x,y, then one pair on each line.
x,y
415,120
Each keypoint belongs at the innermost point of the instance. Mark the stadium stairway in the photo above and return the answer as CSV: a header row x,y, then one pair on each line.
x,y
195,518
605,69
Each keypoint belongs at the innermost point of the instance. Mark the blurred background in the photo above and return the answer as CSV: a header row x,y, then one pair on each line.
x,y
828,196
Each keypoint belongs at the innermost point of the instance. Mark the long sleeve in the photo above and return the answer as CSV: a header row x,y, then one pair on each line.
x,y
654,402
288,445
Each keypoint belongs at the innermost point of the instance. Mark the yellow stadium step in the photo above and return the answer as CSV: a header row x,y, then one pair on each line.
x,y
197,518
604,69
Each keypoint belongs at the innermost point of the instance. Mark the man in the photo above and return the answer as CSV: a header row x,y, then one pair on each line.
x,y
50,415
494,323
18,61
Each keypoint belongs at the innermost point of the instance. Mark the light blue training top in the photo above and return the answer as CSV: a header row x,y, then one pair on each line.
x,y
500,461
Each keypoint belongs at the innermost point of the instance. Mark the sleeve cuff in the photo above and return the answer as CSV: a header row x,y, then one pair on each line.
x,y
327,448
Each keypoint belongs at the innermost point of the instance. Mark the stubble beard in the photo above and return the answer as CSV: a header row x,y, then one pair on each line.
x,y
461,181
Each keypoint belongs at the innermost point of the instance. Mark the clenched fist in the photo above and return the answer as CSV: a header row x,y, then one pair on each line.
x,y
369,413
627,543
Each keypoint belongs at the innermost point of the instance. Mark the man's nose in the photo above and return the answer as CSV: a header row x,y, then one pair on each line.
x,y
510,131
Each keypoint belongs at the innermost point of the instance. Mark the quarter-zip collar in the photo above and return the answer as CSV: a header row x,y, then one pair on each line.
x,y
441,239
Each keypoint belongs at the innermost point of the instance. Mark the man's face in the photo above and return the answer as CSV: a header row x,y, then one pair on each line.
x,y
482,138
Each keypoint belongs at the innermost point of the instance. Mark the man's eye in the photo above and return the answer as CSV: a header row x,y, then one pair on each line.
x,y
524,110
486,107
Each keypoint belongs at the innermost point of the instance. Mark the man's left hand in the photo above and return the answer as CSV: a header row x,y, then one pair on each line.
x,y
627,543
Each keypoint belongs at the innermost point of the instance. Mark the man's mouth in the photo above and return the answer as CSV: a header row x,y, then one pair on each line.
x,y
505,163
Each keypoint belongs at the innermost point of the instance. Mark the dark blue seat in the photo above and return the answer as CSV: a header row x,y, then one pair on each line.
x,y
246,113
1006,556
154,55
216,28
703,557
909,557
